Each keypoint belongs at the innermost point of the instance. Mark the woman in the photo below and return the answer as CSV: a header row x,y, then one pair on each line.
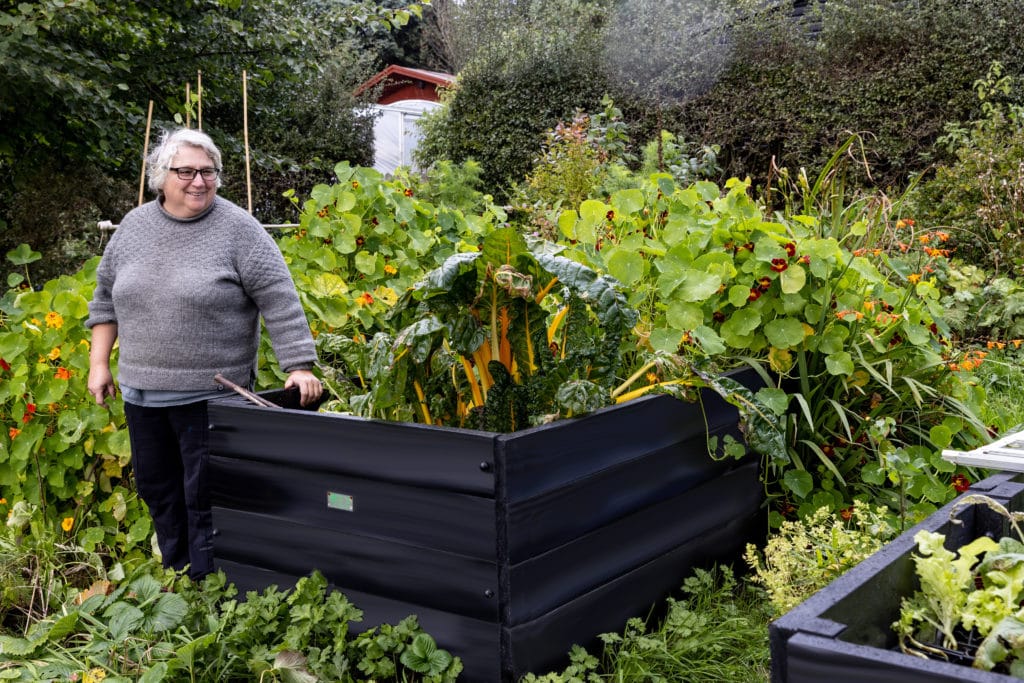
x,y
181,287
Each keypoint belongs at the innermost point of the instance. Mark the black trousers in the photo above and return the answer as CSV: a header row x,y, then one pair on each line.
x,y
169,458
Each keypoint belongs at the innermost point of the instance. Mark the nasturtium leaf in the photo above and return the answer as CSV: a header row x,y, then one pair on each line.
x,y
366,263
709,340
684,316
739,295
833,341
344,200
665,339
784,332
697,285
627,201
741,323
941,436
777,400
840,363
322,195
327,285
793,279
799,482
625,265
23,255
592,214
567,223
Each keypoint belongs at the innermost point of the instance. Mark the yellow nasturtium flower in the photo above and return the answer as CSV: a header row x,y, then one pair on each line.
x,y
54,320
54,353
67,523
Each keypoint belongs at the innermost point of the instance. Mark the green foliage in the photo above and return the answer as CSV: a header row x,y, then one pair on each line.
x,y
807,554
795,88
974,590
979,197
856,334
59,450
531,78
715,631
500,339
151,625
75,79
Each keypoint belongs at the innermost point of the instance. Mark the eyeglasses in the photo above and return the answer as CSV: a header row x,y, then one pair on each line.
x,y
190,173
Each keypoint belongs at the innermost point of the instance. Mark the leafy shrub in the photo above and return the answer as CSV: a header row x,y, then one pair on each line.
x,y
805,555
979,197
505,99
151,625
796,89
59,450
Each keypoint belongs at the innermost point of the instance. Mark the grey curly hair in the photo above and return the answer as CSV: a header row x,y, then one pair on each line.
x,y
173,140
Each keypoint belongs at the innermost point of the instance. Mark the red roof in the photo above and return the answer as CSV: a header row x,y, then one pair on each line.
x,y
405,83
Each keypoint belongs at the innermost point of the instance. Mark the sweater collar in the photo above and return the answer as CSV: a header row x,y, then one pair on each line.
x,y
170,216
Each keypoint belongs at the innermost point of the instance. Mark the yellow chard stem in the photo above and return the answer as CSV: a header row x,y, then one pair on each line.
x,y
632,378
423,401
547,288
478,398
636,393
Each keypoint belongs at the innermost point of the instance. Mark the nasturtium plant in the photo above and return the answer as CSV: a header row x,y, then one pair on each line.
x,y
59,450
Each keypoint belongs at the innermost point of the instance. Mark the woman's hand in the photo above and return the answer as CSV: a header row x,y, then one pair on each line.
x,y
310,388
101,383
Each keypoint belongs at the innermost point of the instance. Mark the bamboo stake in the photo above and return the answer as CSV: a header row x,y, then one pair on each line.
x,y
245,132
188,105
199,101
145,151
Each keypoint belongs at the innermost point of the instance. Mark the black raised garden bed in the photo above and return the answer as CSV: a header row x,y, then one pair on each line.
x,y
509,548
843,633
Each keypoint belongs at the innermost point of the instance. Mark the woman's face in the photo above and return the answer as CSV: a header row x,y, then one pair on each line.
x,y
189,198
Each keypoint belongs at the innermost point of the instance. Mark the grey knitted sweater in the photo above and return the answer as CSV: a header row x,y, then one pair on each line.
x,y
187,296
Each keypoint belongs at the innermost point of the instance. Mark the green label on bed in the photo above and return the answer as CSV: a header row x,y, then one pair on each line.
x,y
340,501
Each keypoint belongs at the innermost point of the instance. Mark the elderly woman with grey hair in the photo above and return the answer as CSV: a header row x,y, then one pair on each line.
x,y
181,288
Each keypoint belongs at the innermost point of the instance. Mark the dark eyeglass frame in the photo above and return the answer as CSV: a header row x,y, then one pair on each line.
x,y
187,173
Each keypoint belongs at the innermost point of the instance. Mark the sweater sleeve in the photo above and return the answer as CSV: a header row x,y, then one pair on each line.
x,y
101,307
267,280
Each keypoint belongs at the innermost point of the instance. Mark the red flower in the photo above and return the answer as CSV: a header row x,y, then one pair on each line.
x,y
4,365
790,249
846,513
408,192
62,373
961,483
779,264
755,294
805,259
610,215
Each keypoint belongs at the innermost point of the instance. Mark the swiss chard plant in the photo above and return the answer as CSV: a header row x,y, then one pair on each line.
x,y
500,339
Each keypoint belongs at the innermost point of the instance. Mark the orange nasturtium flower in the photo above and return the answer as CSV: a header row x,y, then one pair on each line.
x,y
390,269
13,432
364,299
54,320
67,523
62,373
